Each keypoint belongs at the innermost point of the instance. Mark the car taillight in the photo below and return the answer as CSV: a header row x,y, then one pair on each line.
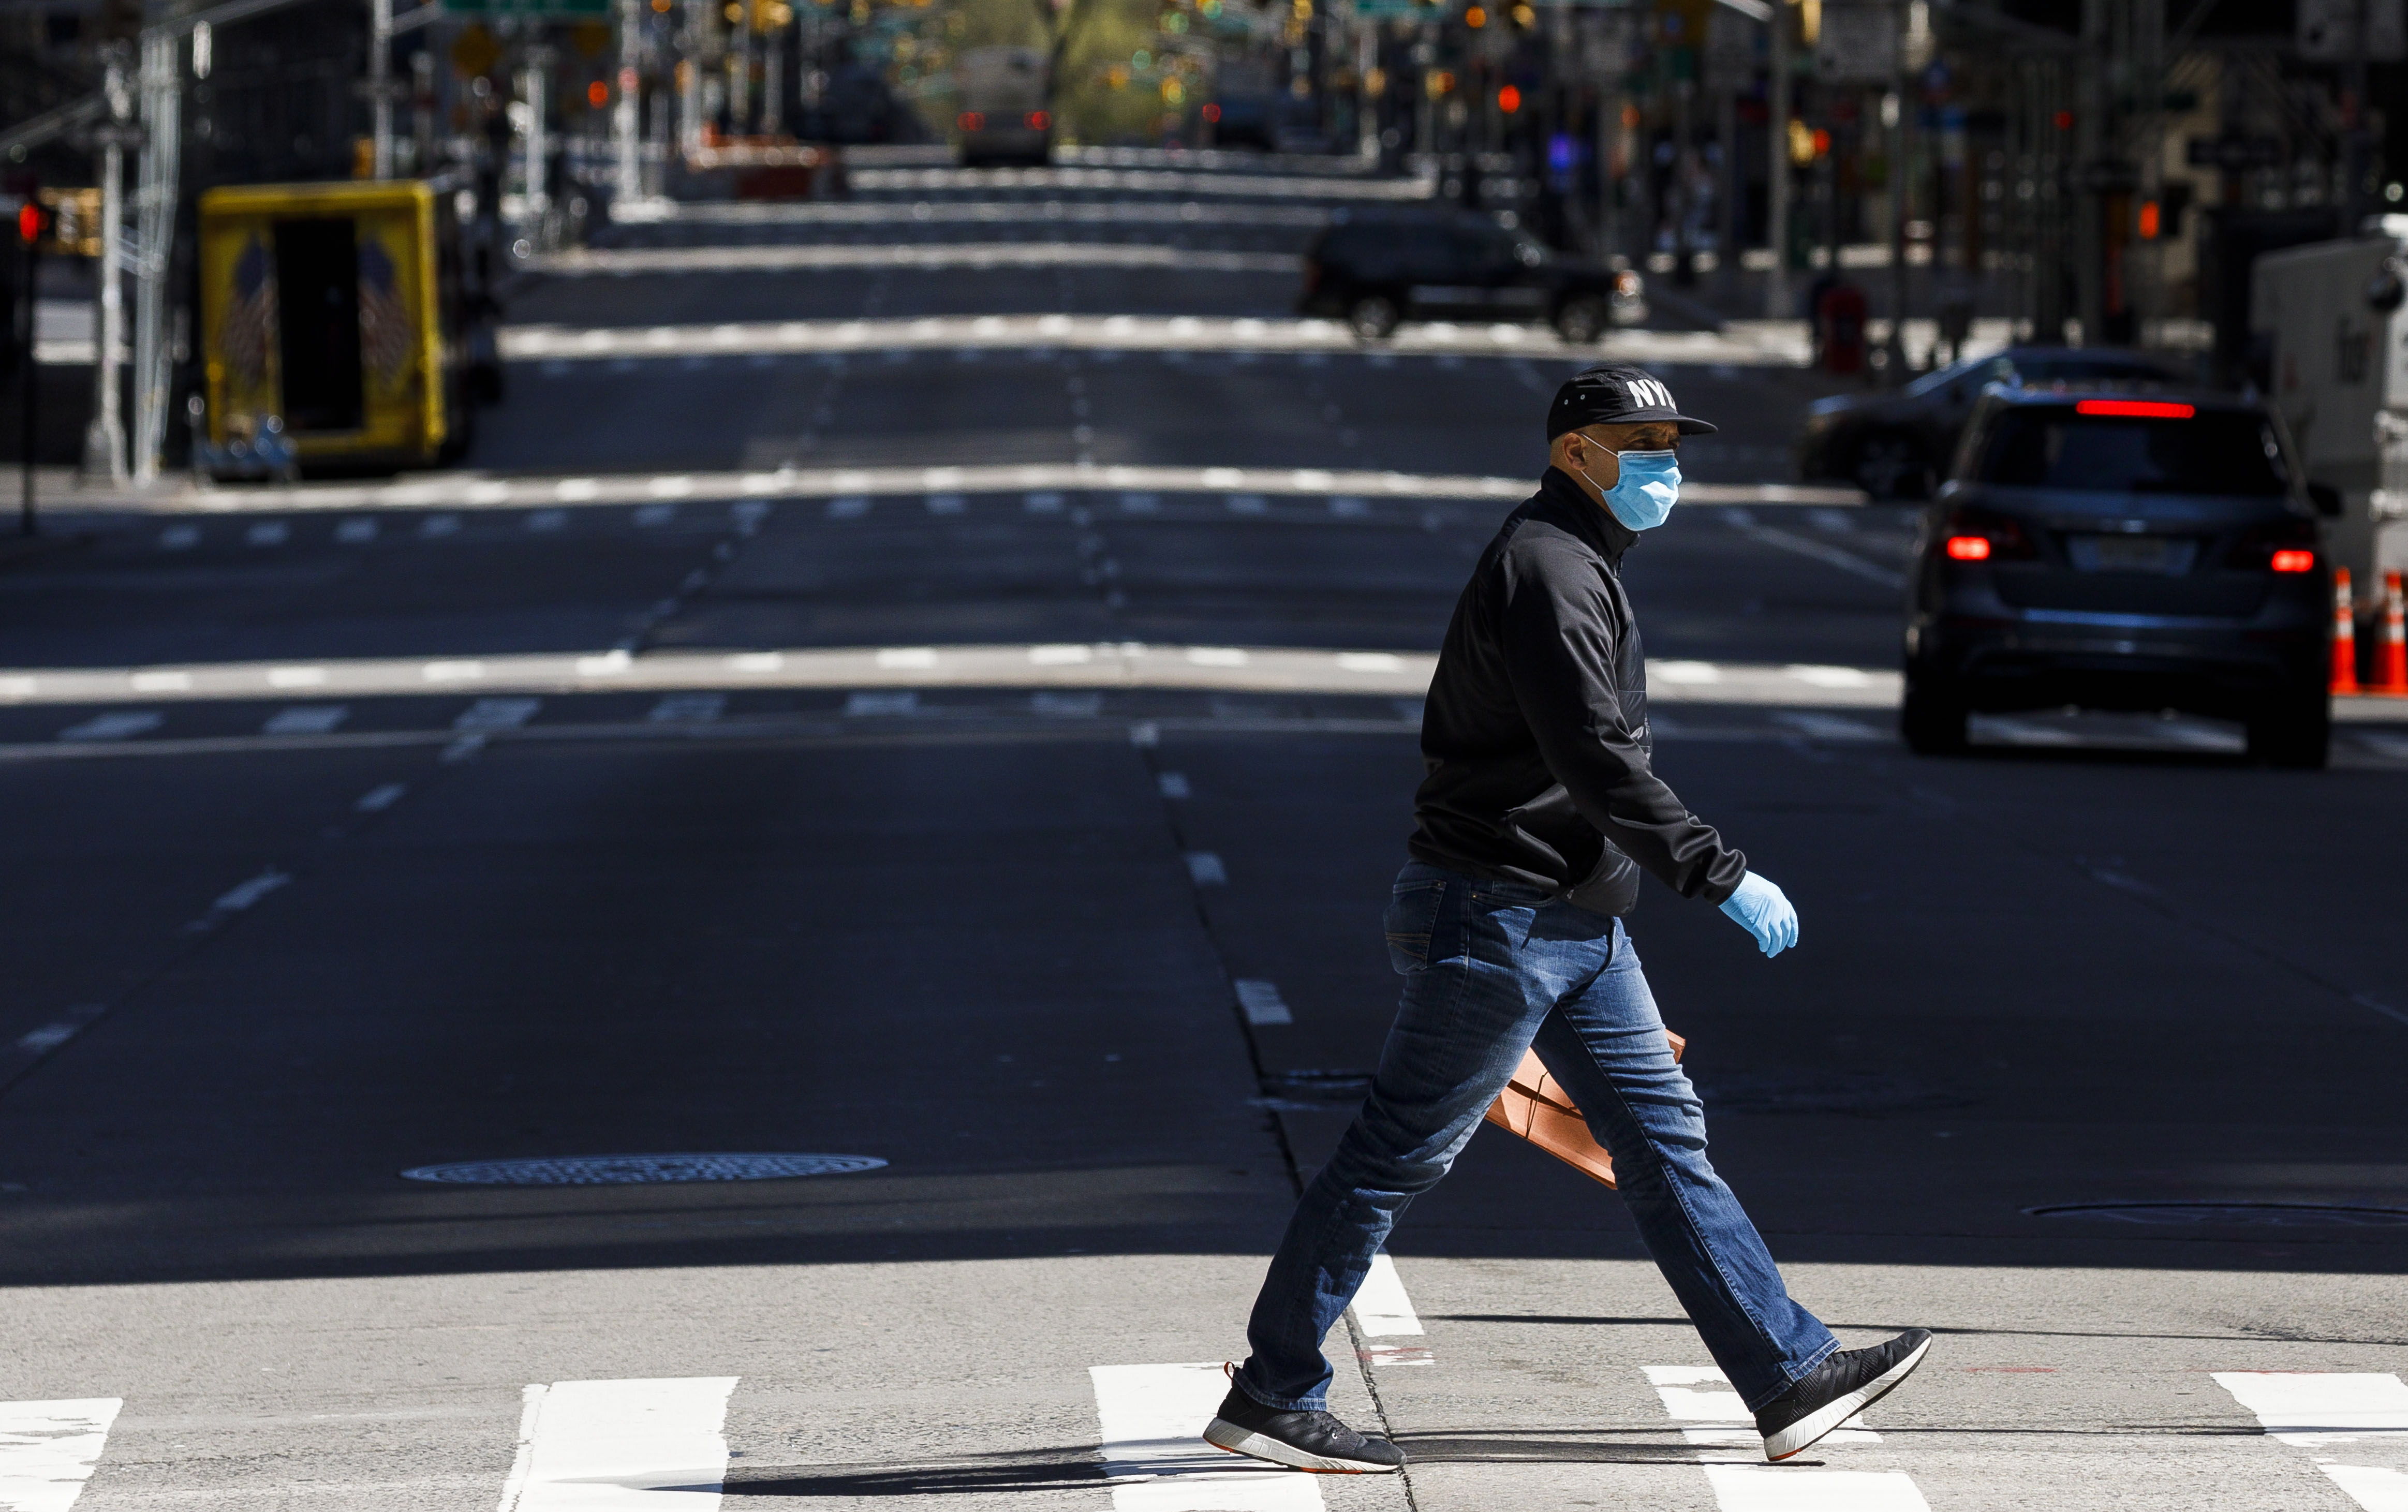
x,y
2285,546
1037,119
2136,409
1979,536
971,121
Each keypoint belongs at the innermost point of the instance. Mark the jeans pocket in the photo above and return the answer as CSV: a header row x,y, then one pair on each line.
x,y
1412,922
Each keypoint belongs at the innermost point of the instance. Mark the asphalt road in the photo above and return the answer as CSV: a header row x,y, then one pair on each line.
x,y
603,799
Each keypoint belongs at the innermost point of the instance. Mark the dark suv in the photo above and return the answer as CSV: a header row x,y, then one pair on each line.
x,y
2123,548
1374,269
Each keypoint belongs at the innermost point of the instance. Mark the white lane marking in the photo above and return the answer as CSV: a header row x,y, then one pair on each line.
x,y
2339,1417
571,489
488,492
179,538
161,682
610,664
1204,869
757,662
453,670
356,532
48,1450
852,507
1817,726
1060,655
243,894
496,714
1260,999
1711,1415
1683,672
880,703
306,720
297,677
919,657
1830,676
547,519
1700,1399
2021,732
1369,661
381,797
689,707
461,750
268,533
436,525
1381,1308
120,725
1069,706
1216,656
669,486
1174,785
1155,1454
604,1446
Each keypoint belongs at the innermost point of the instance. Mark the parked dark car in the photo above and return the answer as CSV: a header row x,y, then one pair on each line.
x,y
1377,269
1895,445
2123,548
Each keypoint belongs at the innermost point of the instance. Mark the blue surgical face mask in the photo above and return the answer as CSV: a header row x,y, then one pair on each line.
x,y
1645,493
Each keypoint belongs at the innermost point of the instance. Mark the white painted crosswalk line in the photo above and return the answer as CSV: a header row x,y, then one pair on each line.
x,y
48,1450
1382,1309
622,1446
122,726
1154,1448
2353,1425
1711,1415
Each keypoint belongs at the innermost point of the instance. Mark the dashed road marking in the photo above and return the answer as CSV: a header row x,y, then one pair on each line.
x,y
1258,998
1383,1311
47,1450
1155,1454
695,708
121,724
243,894
601,1445
2342,1419
306,720
1712,1415
497,714
1204,869
380,797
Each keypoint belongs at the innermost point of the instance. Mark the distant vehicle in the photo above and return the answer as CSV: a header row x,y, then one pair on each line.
x,y
1246,106
2123,548
1376,269
1895,446
2329,321
1005,98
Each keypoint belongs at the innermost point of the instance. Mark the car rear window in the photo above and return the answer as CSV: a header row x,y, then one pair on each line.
x,y
2211,453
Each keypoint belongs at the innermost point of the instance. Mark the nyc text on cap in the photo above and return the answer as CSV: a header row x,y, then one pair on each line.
x,y
1617,393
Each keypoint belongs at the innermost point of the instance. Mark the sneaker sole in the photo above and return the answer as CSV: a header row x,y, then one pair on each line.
x,y
1227,1436
1806,1431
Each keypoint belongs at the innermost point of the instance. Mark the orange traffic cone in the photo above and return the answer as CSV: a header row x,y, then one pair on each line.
x,y
2391,658
2344,635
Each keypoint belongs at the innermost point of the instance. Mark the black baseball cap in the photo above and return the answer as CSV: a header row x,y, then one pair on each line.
x,y
1617,393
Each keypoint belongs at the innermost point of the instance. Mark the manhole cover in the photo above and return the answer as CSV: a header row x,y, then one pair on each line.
x,y
2261,1215
629,1170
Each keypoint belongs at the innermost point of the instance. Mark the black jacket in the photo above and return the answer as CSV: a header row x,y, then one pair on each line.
x,y
1535,734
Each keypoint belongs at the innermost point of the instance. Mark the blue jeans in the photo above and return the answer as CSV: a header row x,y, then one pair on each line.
x,y
1491,969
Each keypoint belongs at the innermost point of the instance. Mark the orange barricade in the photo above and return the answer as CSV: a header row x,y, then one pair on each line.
x,y
2391,657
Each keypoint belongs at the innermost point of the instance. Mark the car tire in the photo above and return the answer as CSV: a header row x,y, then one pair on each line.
x,y
1889,466
1582,318
2292,733
1931,718
1373,317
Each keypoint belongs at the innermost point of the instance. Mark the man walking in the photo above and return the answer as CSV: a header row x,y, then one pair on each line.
x,y
1538,814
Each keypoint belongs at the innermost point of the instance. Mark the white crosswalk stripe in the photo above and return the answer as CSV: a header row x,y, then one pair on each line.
x,y
47,1450
2353,1425
1712,1415
623,1445
1155,1454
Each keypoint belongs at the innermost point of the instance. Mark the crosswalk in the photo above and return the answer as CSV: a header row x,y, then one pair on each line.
x,y
662,1443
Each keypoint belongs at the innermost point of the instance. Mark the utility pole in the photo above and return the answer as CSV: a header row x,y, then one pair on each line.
x,y
103,440
381,86
625,122
1777,168
156,171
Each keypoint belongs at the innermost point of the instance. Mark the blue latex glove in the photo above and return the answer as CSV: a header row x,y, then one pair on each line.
x,y
1763,910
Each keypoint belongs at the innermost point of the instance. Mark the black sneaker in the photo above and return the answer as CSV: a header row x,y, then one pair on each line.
x,y
1314,1441
1836,1390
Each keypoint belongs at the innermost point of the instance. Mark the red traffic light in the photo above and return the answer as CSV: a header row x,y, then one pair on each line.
x,y
1509,99
29,223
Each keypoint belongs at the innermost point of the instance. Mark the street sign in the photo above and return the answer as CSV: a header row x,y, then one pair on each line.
x,y
1858,42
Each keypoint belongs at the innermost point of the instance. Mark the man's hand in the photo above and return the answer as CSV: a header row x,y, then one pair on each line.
x,y
1763,910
